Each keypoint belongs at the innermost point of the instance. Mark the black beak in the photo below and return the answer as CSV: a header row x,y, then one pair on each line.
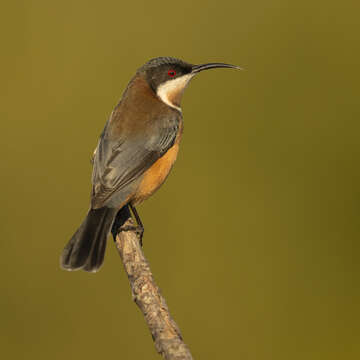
x,y
198,68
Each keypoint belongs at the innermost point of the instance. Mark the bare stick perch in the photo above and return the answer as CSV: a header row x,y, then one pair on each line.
x,y
146,294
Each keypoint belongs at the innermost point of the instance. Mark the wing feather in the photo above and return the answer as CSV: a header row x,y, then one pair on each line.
x,y
118,163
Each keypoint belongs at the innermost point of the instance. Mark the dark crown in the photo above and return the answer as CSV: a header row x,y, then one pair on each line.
x,y
166,60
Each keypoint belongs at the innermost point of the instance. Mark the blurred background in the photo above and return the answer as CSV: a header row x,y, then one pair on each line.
x,y
254,239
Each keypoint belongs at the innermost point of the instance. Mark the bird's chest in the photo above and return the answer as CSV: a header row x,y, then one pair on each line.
x,y
154,177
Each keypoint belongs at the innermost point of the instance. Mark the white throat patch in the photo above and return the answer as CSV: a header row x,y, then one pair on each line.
x,y
168,88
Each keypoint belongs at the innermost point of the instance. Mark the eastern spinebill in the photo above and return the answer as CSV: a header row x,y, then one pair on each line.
x,y
134,155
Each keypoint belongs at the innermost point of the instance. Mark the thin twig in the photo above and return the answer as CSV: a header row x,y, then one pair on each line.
x,y
165,333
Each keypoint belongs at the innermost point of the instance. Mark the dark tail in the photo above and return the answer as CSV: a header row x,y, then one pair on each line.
x,y
86,249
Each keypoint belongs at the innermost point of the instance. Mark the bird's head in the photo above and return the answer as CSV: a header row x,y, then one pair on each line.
x,y
168,77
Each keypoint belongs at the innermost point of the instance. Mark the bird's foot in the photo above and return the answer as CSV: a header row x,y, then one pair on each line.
x,y
139,230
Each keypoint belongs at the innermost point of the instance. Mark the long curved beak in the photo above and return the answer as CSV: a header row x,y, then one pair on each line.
x,y
198,68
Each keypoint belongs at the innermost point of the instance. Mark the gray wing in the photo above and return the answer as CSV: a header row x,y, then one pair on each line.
x,y
119,163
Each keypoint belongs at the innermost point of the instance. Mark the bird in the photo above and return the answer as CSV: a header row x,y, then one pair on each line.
x,y
134,155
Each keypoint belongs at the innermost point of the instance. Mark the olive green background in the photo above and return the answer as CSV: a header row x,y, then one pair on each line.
x,y
254,238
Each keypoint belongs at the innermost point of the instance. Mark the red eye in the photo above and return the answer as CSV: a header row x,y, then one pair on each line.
x,y
172,73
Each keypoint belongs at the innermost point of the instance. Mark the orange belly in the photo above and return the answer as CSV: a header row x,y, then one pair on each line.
x,y
156,175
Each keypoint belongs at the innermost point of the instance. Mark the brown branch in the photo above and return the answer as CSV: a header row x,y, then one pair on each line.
x,y
147,295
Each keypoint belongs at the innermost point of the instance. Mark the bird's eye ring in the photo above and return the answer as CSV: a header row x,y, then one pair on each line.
x,y
172,73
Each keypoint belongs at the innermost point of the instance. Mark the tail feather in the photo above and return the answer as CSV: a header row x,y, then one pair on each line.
x,y
86,249
97,253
